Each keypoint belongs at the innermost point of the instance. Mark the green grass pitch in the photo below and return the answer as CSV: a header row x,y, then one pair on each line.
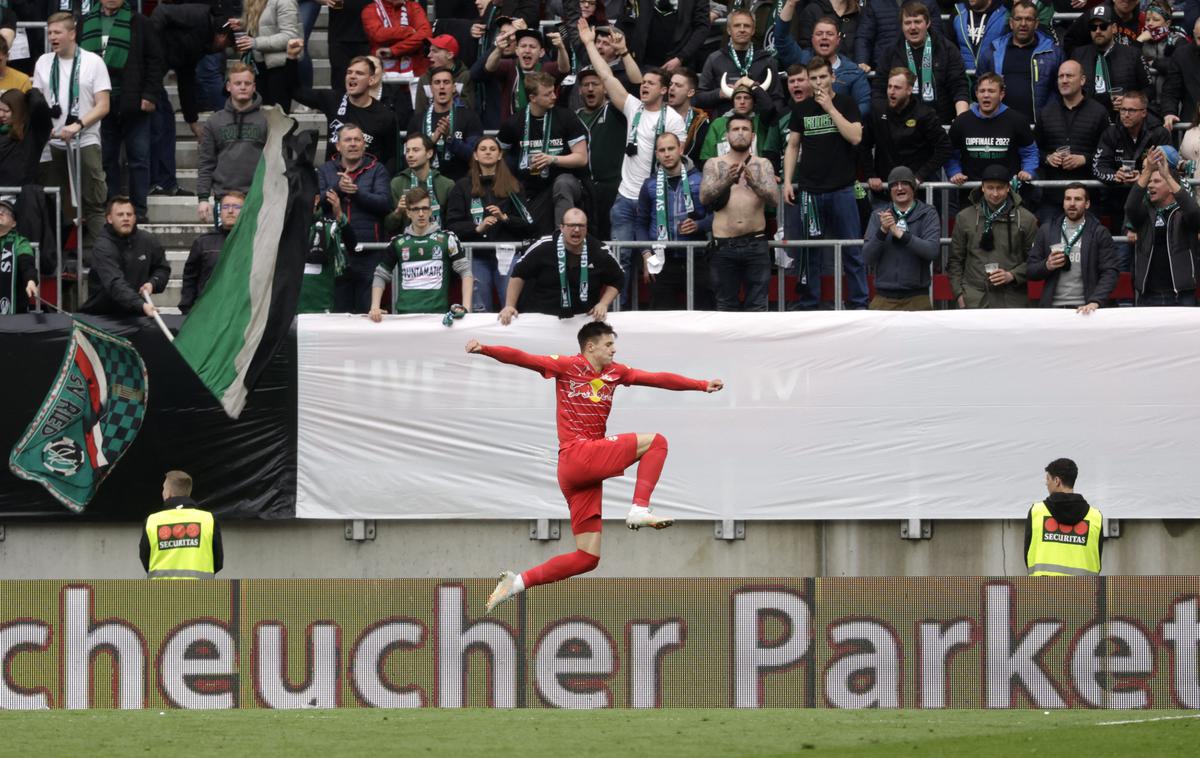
x,y
563,734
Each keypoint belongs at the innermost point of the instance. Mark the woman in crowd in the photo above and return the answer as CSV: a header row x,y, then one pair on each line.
x,y
486,206
24,130
262,35
1159,38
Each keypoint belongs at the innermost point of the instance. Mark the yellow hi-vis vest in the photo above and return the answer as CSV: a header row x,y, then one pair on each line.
x,y
180,544
1060,550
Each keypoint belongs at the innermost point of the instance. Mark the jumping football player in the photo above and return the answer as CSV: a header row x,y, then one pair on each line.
x,y
586,457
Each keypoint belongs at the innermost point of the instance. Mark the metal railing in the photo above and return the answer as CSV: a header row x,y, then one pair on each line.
x,y
58,269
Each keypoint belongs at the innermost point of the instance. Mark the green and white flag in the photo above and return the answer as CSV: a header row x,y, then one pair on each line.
x,y
247,307
88,419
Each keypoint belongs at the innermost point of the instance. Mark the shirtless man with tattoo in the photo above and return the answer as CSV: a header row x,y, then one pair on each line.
x,y
737,187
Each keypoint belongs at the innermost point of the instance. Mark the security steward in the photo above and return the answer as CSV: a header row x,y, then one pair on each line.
x,y
181,541
1063,534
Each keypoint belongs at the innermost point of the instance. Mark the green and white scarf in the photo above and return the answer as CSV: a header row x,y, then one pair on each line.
x,y
1101,77
73,99
742,67
902,216
518,206
563,285
441,150
116,49
519,97
990,217
1069,243
631,141
660,200
924,83
547,123
811,214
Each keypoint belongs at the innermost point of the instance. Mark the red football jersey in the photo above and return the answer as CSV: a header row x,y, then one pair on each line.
x,y
585,397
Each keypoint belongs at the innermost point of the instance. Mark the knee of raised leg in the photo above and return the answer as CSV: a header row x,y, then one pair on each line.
x,y
587,561
659,441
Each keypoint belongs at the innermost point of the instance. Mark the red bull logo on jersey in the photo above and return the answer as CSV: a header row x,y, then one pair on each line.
x,y
595,390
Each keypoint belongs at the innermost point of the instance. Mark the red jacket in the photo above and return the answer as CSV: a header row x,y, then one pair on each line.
x,y
406,42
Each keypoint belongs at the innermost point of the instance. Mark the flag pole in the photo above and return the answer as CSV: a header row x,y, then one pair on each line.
x,y
158,319
44,301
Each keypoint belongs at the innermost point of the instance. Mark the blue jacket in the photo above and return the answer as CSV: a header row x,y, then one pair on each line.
x,y
849,79
647,219
1047,56
879,30
996,27
366,208
1028,153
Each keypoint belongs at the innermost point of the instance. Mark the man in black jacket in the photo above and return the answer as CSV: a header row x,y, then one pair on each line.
x,y
739,60
123,37
127,263
941,82
1181,93
905,132
1074,255
1166,220
664,34
1068,131
206,251
1121,150
1107,64
454,128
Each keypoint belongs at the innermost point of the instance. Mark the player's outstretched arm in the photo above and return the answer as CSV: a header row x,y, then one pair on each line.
x,y
667,381
546,365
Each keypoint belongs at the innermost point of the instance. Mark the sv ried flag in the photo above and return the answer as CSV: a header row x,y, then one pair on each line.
x,y
247,307
88,420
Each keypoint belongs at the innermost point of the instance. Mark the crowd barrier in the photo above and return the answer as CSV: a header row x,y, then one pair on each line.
x,y
931,643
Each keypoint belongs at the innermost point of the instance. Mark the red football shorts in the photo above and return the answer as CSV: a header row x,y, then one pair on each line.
x,y
582,469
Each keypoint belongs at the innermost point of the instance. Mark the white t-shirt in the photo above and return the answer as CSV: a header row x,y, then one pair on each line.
x,y
93,78
635,170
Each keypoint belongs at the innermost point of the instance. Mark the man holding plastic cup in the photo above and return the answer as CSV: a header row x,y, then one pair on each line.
x,y
988,248
1074,254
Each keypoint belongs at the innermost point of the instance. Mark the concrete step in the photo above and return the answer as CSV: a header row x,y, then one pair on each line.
x,y
318,45
176,259
169,298
178,236
172,210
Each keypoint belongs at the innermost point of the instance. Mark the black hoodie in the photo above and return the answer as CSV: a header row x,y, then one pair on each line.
x,y
1067,508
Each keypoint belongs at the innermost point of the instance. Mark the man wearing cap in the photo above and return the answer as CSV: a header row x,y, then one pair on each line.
x,y
442,52
606,128
18,268
904,132
902,242
669,208
1126,16
1075,256
453,127
1108,66
528,60
988,254
766,131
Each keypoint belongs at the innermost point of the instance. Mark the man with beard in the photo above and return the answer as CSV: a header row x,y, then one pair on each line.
x,y
848,79
606,127
127,263
902,241
738,187
695,121
1127,18
905,132
354,106
453,127
1075,256
1110,67
740,62
940,82
1166,220
825,131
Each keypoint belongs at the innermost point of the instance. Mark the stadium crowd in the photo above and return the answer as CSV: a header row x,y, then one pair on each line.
x,y
642,121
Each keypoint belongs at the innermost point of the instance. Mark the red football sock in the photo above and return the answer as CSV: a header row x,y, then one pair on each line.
x,y
649,469
560,567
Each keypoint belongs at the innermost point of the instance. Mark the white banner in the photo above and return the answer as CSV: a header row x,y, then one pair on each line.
x,y
945,415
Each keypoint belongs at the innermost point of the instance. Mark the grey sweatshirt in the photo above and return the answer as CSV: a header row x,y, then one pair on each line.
x,y
230,146
902,265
